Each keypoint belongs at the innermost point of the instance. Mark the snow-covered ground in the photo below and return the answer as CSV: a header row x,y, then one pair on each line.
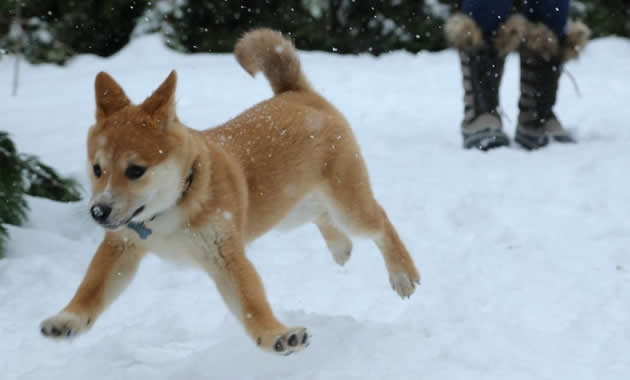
x,y
524,256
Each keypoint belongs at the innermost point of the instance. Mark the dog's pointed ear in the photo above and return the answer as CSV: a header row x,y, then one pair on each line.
x,y
161,104
109,96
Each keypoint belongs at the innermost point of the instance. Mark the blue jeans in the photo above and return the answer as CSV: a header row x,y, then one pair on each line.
x,y
490,14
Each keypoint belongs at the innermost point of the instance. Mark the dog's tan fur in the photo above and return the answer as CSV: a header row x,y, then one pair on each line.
x,y
290,159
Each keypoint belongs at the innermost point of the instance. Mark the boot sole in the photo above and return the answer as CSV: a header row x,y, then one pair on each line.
x,y
486,140
533,143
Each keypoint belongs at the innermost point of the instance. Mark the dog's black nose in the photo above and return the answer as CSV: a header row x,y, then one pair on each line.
x,y
100,212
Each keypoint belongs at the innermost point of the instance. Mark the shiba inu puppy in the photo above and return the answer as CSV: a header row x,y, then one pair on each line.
x,y
201,196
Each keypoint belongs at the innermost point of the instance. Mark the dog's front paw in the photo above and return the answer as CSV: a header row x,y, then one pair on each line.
x,y
292,340
404,283
65,325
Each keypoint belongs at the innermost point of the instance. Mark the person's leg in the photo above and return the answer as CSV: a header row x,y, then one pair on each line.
x,y
552,13
550,41
483,35
487,14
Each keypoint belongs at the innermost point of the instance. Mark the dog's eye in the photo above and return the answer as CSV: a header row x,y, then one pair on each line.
x,y
135,171
97,170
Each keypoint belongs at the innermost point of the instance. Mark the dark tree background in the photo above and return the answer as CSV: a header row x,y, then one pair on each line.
x,y
21,175
341,26
55,30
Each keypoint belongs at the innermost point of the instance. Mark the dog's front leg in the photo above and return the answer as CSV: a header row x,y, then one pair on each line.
x,y
112,268
243,292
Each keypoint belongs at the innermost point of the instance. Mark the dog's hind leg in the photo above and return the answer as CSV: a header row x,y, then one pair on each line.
x,y
337,241
353,204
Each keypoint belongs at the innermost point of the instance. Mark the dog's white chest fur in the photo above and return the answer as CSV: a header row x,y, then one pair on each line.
x,y
175,247
170,241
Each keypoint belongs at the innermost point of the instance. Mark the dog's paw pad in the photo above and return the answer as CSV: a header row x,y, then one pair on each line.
x,y
293,340
64,325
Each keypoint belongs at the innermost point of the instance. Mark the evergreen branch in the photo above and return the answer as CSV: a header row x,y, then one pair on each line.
x,y
43,181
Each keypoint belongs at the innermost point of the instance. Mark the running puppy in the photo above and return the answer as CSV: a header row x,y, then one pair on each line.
x,y
200,196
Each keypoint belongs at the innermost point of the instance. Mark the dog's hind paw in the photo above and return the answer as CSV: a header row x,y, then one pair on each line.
x,y
64,325
403,284
341,252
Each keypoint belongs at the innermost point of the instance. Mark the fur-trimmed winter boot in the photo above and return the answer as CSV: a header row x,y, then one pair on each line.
x,y
482,68
542,60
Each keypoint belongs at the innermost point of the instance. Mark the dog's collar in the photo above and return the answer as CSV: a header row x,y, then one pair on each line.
x,y
141,229
188,181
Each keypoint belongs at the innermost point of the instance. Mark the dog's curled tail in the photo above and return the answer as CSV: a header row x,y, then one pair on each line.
x,y
267,51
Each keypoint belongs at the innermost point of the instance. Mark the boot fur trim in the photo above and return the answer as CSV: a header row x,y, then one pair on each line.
x,y
463,33
541,41
577,36
510,34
